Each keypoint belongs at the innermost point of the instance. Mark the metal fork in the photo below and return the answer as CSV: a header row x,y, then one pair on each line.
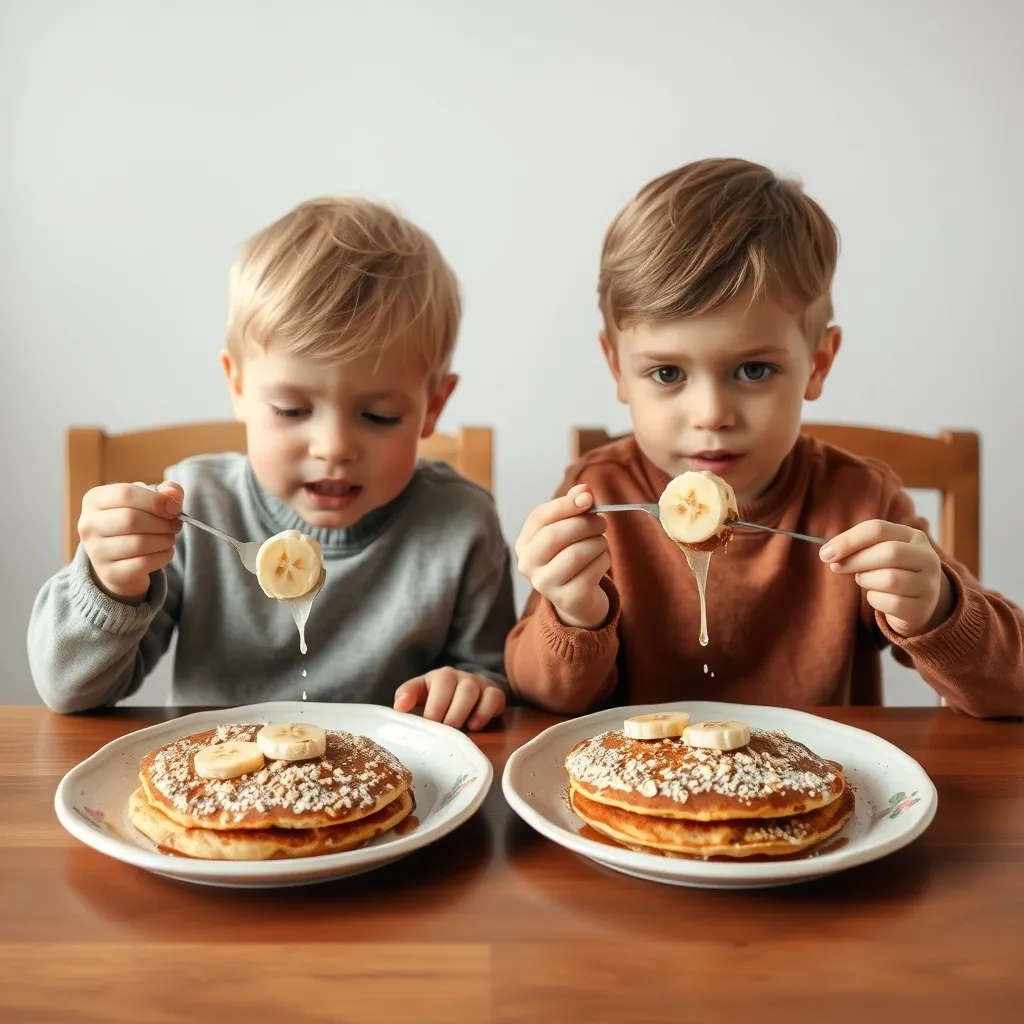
x,y
653,510
246,549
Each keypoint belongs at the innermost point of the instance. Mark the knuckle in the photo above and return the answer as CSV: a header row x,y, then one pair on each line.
x,y
121,494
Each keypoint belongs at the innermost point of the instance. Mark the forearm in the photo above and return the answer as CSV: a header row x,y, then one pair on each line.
x,y
560,668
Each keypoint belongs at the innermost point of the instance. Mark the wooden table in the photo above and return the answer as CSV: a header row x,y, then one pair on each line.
x,y
496,923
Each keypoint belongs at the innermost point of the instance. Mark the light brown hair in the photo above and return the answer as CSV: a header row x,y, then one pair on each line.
x,y
708,232
338,278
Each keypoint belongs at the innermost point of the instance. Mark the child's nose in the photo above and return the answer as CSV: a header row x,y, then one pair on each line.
x,y
711,408
335,443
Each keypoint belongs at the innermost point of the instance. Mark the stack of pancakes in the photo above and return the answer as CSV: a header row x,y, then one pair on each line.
x,y
357,790
771,797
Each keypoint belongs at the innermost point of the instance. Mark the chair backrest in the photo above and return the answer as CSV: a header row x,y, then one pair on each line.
x,y
93,457
949,463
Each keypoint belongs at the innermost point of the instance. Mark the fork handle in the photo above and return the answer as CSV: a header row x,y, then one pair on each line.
x,y
209,529
772,529
651,510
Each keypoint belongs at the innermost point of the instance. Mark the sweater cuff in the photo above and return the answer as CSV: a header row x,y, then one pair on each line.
x,y
574,644
951,642
106,612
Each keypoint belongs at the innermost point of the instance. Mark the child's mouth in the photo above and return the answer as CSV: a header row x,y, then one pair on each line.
x,y
329,495
715,461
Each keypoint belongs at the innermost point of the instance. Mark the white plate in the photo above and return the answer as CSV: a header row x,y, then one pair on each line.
x,y
450,775
896,799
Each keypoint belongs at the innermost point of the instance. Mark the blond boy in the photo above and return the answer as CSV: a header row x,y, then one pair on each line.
x,y
342,322
715,291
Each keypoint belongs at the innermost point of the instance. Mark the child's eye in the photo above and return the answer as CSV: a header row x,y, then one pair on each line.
x,y
383,421
289,413
755,371
666,375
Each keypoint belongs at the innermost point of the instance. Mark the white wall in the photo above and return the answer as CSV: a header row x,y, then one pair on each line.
x,y
142,142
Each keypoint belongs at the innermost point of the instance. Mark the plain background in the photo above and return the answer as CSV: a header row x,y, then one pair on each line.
x,y
142,143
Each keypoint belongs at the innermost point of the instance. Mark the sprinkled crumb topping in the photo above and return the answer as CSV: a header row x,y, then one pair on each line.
x,y
353,774
771,763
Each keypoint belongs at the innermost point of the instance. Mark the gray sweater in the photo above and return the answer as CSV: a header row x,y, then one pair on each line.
x,y
418,584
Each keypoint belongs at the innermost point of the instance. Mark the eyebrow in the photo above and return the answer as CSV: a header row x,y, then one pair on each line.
x,y
762,350
295,391
746,355
283,391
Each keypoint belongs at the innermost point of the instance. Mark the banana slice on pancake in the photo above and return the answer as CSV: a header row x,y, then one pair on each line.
x,y
292,741
695,507
657,726
227,760
717,735
288,565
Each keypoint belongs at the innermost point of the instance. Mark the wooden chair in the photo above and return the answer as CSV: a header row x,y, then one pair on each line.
x,y
949,463
93,457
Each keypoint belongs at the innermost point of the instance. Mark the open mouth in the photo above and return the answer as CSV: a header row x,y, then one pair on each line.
x,y
332,488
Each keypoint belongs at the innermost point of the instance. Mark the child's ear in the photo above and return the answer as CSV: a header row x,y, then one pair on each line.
x,y
611,355
232,368
437,401
821,361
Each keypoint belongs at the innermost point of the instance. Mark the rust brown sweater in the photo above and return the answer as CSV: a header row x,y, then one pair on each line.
x,y
783,628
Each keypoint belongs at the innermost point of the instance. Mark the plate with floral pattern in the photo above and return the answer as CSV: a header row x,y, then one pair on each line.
x,y
895,798
451,777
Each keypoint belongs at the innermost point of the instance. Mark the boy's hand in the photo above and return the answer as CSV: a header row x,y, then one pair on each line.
x,y
452,697
128,531
564,554
900,571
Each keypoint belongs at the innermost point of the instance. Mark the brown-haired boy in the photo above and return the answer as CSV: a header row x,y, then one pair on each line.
x,y
715,288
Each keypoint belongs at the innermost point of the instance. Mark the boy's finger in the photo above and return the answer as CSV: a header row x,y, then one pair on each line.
x,y
557,538
871,531
442,686
410,694
887,554
173,490
490,705
576,500
137,496
123,522
467,693
898,582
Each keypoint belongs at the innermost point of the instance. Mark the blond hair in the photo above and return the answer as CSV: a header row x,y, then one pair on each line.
x,y
339,278
706,233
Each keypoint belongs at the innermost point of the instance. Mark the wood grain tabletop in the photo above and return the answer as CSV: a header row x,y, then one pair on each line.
x,y
495,923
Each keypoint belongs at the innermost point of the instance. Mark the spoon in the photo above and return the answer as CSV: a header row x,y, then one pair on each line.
x,y
653,510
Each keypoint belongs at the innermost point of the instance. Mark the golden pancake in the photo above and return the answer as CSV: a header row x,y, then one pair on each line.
x,y
742,837
771,776
355,778
263,843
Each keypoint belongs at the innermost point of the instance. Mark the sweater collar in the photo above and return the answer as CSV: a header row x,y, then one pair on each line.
x,y
768,507
276,515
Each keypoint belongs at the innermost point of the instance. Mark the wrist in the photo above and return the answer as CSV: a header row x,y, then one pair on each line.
x,y
117,593
945,605
595,620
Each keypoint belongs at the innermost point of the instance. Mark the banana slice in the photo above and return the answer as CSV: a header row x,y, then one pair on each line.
x,y
288,565
695,507
658,726
228,760
717,735
295,741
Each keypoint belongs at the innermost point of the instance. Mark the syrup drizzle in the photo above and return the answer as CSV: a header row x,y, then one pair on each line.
x,y
699,561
